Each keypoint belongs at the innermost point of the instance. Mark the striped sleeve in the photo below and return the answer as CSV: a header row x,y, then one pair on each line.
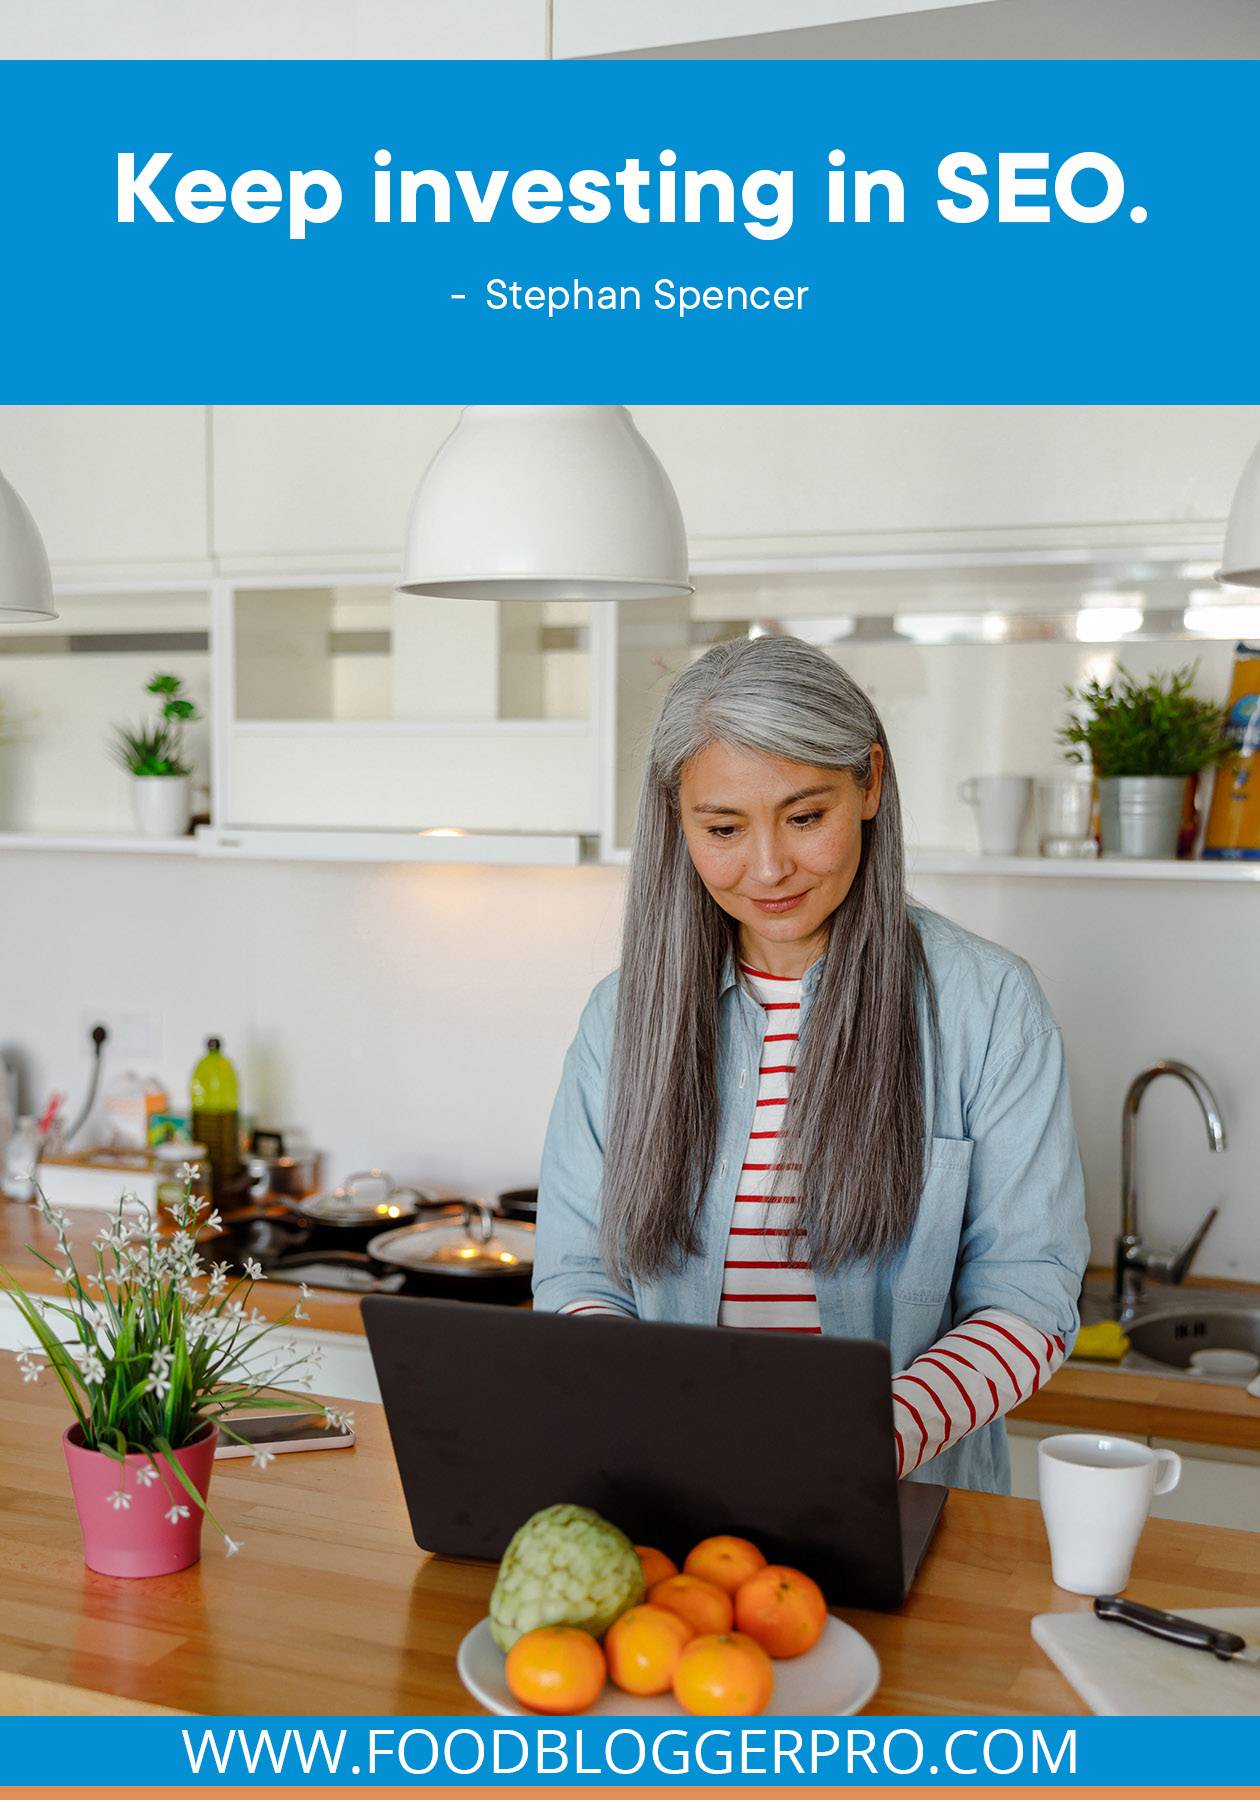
x,y
605,1307
974,1374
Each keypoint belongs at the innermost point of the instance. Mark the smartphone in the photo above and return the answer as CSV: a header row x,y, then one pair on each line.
x,y
281,1431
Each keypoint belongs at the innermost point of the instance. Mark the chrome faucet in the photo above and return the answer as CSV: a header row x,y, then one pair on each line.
x,y
1133,1258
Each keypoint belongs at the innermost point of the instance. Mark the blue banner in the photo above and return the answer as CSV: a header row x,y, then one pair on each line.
x,y
672,232
856,1753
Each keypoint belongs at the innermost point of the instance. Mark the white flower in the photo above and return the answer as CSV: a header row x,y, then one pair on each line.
x,y
300,1312
92,1369
231,1546
159,1381
254,1269
218,1279
339,1421
176,1513
120,1500
263,1457
31,1369
146,1476
304,1290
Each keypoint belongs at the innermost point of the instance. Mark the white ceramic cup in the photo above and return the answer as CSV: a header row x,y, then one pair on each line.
x,y
1001,803
1095,1495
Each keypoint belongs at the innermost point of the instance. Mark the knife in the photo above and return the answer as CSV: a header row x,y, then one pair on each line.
x,y
1227,1645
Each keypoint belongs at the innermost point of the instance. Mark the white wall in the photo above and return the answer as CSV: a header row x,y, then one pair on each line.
x,y
417,1017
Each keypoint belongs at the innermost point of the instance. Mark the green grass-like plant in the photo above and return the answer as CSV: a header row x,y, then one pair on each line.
x,y
158,748
1153,727
150,1346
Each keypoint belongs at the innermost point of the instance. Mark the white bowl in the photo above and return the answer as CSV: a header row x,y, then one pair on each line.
x,y
838,1676
1233,1365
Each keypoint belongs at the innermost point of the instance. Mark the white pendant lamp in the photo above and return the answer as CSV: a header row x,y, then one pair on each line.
x,y
545,503
25,580
1241,561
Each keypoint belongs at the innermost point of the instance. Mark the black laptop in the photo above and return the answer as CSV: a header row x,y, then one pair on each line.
x,y
673,1432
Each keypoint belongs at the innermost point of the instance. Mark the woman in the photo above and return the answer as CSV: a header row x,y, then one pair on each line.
x,y
804,1104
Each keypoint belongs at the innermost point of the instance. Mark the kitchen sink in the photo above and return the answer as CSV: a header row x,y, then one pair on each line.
x,y
1173,1337
1173,1322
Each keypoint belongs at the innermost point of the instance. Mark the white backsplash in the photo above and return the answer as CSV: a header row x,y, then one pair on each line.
x,y
417,1017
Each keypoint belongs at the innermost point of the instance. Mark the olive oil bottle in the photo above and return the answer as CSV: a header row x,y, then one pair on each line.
x,y
216,1120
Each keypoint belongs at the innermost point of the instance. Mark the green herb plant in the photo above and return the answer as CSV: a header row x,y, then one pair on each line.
x,y
1153,727
158,748
150,1346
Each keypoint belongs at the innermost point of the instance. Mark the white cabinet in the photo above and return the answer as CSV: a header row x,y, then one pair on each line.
x,y
386,29
321,487
350,707
814,478
115,489
605,27
330,487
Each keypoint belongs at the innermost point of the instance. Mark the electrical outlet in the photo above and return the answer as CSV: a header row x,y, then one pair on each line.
x,y
135,1036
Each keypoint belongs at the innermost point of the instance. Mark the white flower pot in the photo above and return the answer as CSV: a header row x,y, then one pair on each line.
x,y
161,805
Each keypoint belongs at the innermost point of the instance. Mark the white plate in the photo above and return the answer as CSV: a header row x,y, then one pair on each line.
x,y
837,1676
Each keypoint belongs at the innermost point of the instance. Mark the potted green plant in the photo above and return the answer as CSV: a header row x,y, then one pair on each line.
x,y
1147,740
154,1353
153,755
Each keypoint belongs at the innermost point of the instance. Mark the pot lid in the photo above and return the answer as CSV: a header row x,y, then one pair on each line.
x,y
363,1198
477,1244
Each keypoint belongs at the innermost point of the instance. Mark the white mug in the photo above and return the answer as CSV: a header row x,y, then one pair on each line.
x,y
1095,1495
1001,803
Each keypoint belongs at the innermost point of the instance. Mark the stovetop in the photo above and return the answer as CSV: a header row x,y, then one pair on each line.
x,y
291,1249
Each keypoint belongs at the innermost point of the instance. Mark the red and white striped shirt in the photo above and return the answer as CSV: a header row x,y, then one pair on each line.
x,y
767,1281
979,1370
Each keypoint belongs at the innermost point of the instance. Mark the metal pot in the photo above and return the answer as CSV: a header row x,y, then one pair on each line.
x,y
368,1197
475,1254
291,1173
1141,815
519,1203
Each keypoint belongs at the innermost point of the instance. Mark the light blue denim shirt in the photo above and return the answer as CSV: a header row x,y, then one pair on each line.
x,y
1001,1219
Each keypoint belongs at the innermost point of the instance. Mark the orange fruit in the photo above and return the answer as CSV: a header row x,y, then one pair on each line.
x,y
556,1669
704,1607
728,1562
782,1609
725,1672
656,1565
643,1647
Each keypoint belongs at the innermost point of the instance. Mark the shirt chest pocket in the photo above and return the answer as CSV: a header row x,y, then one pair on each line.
x,y
923,1270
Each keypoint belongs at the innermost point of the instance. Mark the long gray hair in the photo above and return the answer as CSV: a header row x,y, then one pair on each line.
x,y
854,1127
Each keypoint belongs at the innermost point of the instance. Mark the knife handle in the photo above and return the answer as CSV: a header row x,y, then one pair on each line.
x,y
1176,1630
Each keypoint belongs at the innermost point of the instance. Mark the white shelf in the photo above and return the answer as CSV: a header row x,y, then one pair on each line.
x,y
1106,868
557,850
98,841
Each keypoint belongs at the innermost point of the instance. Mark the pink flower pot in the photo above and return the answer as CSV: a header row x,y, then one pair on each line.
x,y
135,1536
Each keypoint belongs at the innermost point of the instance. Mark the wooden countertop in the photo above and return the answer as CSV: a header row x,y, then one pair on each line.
x,y
23,1230
330,1607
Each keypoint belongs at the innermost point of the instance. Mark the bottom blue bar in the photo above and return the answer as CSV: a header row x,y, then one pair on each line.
x,y
443,1752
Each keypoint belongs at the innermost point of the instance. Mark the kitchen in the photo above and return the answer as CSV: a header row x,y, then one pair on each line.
x,y
356,995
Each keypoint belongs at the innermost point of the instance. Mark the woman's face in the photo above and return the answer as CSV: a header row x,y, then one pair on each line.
x,y
776,843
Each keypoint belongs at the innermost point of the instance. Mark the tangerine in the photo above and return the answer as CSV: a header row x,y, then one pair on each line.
x,y
656,1565
781,1608
556,1669
643,1647
725,1672
728,1562
704,1607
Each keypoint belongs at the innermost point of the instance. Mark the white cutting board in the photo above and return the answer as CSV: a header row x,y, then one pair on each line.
x,y
1117,1670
